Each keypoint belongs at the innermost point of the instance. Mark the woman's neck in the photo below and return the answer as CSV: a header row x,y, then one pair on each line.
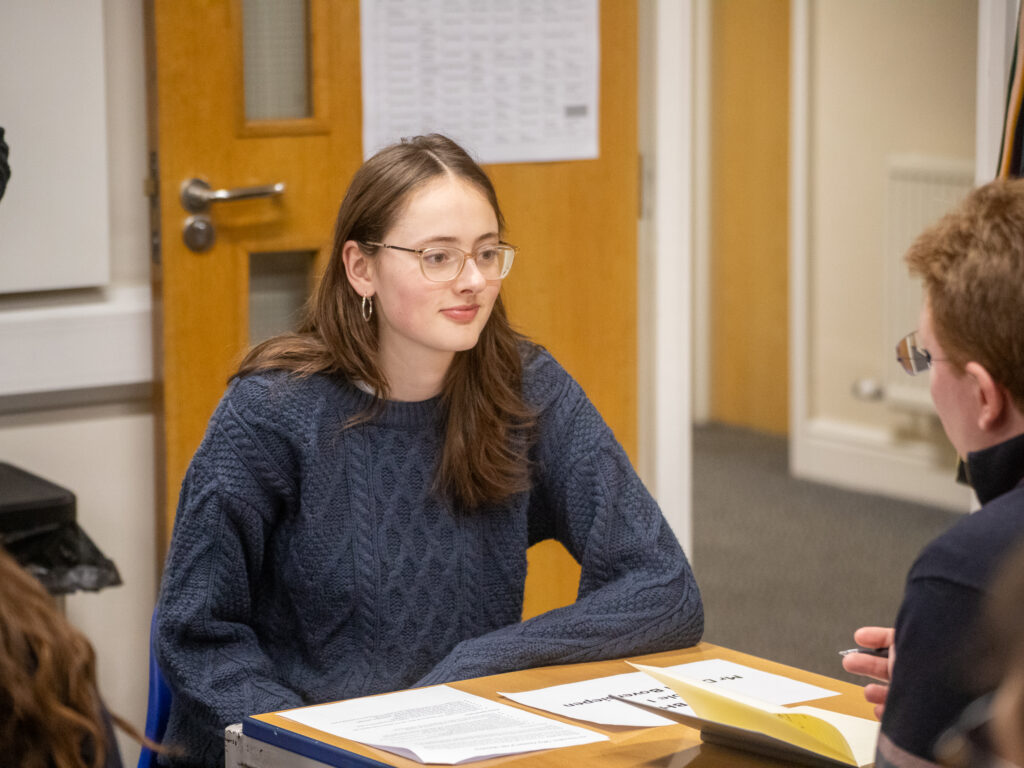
x,y
412,378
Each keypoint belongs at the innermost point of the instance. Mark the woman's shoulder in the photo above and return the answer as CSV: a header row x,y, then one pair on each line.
x,y
286,398
270,419
545,381
280,385
273,388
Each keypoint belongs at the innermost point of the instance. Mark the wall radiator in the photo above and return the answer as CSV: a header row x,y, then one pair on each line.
x,y
919,190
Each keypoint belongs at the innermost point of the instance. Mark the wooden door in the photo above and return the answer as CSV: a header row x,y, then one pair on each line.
x,y
749,204
573,288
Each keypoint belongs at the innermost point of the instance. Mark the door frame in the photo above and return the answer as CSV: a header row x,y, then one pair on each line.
x,y
821,449
666,133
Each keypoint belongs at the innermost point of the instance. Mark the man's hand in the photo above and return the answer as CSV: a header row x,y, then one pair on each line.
x,y
872,666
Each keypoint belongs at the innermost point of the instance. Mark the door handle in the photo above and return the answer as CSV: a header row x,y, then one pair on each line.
x,y
196,194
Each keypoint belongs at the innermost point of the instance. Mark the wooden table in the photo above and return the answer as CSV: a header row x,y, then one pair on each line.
x,y
670,746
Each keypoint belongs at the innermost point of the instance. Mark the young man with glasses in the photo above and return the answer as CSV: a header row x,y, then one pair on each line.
x,y
970,340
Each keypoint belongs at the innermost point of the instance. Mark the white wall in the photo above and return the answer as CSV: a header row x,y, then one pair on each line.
x,y
888,78
871,79
99,442
51,68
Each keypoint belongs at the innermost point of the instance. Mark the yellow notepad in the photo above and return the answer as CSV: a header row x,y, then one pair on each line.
x,y
808,734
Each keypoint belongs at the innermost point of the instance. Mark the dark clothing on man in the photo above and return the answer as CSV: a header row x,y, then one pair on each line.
x,y
935,641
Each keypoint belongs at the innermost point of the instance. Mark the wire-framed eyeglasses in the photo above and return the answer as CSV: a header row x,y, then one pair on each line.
x,y
441,264
914,358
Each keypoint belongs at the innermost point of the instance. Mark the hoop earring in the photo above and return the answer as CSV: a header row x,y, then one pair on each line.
x,y
366,309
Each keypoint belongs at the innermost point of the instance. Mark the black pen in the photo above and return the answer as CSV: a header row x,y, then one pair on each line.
x,y
882,653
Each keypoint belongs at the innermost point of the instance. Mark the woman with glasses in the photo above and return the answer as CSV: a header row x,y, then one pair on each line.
x,y
357,517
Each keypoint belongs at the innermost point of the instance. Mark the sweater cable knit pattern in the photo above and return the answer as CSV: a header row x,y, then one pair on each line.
x,y
311,562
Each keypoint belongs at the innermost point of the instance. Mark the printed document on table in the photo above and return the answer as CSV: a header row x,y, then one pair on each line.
x,y
747,681
440,725
591,700
512,82
595,700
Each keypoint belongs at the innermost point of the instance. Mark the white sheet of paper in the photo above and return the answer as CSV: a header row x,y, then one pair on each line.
x,y
441,725
591,700
738,678
510,80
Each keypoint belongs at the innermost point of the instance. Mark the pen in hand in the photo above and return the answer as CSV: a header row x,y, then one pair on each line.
x,y
882,653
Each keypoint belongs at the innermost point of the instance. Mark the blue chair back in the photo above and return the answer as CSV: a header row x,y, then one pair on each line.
x,y
158,704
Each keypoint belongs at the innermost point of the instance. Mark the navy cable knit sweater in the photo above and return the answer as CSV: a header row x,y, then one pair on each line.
x,y
311,563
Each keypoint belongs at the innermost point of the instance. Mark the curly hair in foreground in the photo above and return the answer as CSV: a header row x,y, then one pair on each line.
x,y
50,711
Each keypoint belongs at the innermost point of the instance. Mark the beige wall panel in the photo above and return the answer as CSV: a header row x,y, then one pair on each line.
x,y
105,455
887,78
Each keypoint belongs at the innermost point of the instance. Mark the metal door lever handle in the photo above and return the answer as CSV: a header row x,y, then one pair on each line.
x,y
196,194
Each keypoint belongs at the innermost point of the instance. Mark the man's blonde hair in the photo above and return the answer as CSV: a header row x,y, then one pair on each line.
x,y
972,264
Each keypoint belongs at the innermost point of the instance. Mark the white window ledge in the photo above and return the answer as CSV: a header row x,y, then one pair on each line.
x,y
98,339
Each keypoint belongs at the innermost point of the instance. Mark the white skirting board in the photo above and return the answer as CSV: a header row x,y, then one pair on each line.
x,y
870,461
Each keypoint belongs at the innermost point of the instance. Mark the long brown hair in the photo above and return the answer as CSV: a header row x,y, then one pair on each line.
x,y
50,711
484,458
